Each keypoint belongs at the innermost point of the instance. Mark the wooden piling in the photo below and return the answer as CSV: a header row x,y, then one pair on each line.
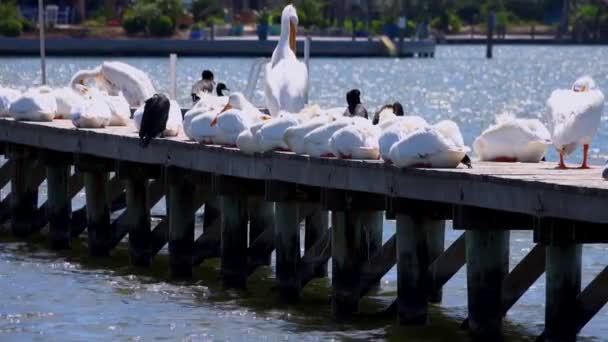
x,y
138,212
261,217
346,263
563,274
435,234
234,241
412,265
24,191
487,254
98,213
59,209
212,215
315,227
372,224
181,210
287,244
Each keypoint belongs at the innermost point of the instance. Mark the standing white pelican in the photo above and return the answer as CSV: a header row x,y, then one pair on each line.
x,y
117,77
36,104
576,117
7,96
513,139
286,77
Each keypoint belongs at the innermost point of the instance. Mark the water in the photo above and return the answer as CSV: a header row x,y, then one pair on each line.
x,y
66,297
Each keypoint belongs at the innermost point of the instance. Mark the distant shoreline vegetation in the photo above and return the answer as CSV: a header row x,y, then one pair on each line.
x,y
582,20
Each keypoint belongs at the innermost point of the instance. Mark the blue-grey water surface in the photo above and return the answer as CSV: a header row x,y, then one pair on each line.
x,y
66,296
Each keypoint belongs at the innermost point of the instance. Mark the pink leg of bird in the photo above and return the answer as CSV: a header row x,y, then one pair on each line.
x,y
562,165
585,157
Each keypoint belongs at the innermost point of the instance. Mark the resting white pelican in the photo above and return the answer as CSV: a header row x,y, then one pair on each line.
x,y
7,96
395,130
286,78
236,117
576,117
294,136
68,100
92,112
358,141
316,142
513,139
199,127
36,104
434,147
117,77
247,141
271,135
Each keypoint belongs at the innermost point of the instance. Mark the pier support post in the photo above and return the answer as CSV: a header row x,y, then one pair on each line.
x,y
346,263
138,211
136,178
371,223
261,217
435,235
181,209
563,274
234,241
287,244
98,213
59,210
212,216
413,259
487,255
316,226
24,191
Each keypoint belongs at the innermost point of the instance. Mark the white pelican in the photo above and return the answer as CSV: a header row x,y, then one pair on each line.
x,y
200,129
247,141
358,141
513,139
119,107
395,130
92,112
286,78
36,104
117,77
236,117
174,121
316,142
434,147
68,101
271,135
7,96
576,117
294,136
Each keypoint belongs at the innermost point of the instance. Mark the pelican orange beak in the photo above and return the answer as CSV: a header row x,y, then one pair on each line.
x,y
292,36
266,117
214,121
226,108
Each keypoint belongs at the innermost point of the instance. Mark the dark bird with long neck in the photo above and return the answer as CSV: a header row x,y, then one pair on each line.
x,y
154,119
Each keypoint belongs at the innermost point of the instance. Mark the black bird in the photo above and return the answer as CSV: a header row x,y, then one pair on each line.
x,y
221,88
355,108
154,119
467,162
205,85
396,107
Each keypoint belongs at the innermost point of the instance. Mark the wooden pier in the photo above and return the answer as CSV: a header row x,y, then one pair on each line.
x,y
254,205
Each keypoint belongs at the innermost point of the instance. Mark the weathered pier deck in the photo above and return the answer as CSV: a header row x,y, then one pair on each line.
x,y
254,205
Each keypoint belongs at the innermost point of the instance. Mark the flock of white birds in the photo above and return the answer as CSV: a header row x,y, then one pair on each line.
x,y
292,125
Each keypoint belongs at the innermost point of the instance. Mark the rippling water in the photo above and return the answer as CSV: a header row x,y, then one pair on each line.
x,y
66,296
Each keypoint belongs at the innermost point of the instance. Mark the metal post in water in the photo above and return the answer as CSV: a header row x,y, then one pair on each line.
x,y
173,76
41,24
307,42
490,33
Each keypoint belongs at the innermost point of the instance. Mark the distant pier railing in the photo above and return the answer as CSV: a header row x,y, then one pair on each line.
x,y
254,205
